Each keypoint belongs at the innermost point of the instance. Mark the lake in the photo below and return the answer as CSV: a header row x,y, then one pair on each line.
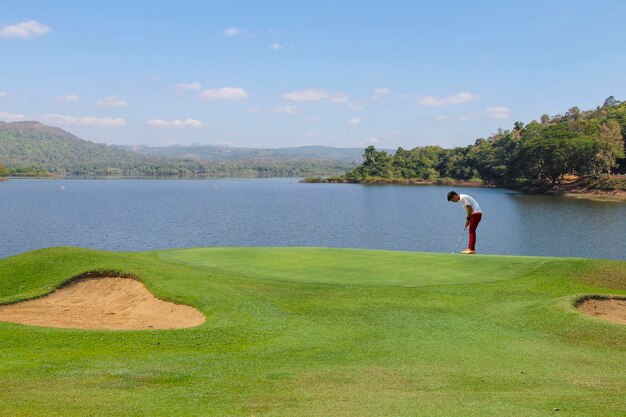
x,y
138,215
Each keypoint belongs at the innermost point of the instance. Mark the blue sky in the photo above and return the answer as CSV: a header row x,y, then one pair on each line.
x,y
275,73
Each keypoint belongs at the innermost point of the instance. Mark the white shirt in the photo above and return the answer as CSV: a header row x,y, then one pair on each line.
x,y
468,200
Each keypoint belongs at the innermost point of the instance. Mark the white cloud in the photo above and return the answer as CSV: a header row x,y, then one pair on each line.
x,y
24,30
307,95
84,121
230,32
321,95
175,123
380,93
355,106
3,94
276,46
498,112
66,99
338,98
182,87
441,118
442,101
286,109
354,121
313,134
9,117
224,93
111,101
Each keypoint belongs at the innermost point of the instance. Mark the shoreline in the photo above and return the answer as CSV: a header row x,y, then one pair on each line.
x,y
563,190
398,181
578,190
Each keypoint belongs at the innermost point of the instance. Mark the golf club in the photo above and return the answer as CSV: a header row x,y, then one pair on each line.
x,y
458,241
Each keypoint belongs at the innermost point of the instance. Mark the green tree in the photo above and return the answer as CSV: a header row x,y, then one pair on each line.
x,y
454,163
609,146
404,163
369,154
573,113
377,163
611,102
495,158
549,152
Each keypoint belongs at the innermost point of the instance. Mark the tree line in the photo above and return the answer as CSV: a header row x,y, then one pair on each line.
x,y
183,168
583,143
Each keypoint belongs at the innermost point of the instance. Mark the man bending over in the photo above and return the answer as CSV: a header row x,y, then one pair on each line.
x,y
474,215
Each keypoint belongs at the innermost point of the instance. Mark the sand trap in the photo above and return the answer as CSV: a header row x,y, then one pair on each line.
x,y
111,303
609,308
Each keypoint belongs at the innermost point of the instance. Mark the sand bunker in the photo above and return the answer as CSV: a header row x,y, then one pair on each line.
x,y
111,303
609,308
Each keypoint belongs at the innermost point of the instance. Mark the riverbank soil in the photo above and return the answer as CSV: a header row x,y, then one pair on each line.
x,y
613,188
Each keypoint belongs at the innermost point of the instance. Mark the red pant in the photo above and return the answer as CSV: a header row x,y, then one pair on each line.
x,y
474,220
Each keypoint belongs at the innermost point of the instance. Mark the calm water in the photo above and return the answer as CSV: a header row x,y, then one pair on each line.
x,y
138,215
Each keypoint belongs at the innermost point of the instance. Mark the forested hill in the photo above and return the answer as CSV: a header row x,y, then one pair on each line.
x,y
32,148
35,147
549,152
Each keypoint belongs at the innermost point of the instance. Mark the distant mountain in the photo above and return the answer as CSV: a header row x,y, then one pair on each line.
x,y
228,153
28,148
33,145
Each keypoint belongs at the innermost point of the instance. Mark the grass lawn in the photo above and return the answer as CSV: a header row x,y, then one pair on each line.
x,y
324,332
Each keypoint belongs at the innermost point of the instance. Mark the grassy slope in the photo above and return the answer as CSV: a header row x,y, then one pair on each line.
x,y
318,332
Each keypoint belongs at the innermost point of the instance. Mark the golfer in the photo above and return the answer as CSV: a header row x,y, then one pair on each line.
x,y
474,215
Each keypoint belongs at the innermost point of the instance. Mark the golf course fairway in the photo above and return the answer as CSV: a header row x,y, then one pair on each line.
x,y
323,332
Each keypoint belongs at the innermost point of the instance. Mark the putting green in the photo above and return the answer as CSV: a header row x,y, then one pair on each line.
x,y
323,332
356,267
